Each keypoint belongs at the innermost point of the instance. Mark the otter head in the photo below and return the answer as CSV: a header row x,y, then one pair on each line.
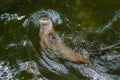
x,y
45,21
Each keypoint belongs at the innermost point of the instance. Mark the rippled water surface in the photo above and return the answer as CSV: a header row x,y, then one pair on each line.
x,y
84,25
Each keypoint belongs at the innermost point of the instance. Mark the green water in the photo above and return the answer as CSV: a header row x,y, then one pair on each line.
x,y
85,26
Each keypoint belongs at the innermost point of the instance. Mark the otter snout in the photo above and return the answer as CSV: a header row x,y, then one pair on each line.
x,y
44,21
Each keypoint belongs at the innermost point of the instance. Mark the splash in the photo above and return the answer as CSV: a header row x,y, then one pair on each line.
x,y
6,73
34,18
6,17
115,18
52,65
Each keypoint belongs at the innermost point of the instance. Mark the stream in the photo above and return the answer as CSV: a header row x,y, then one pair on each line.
x,y
83,25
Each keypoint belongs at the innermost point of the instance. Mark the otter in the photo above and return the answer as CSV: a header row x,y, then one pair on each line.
x,y
51,42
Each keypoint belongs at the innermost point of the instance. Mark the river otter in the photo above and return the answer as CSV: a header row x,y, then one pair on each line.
x,y
50,41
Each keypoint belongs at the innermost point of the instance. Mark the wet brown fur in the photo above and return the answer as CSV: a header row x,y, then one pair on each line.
x,y
50,41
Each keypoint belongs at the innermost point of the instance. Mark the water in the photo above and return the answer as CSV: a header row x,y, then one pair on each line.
x,y
115,18
85,26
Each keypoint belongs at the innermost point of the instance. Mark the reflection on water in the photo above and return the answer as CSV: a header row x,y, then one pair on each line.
x,y
116,17
78,28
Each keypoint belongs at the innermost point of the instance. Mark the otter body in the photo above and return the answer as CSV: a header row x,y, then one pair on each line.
x,y
50,41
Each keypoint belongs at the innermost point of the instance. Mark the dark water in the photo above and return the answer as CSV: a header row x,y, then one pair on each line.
x,y
85,26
